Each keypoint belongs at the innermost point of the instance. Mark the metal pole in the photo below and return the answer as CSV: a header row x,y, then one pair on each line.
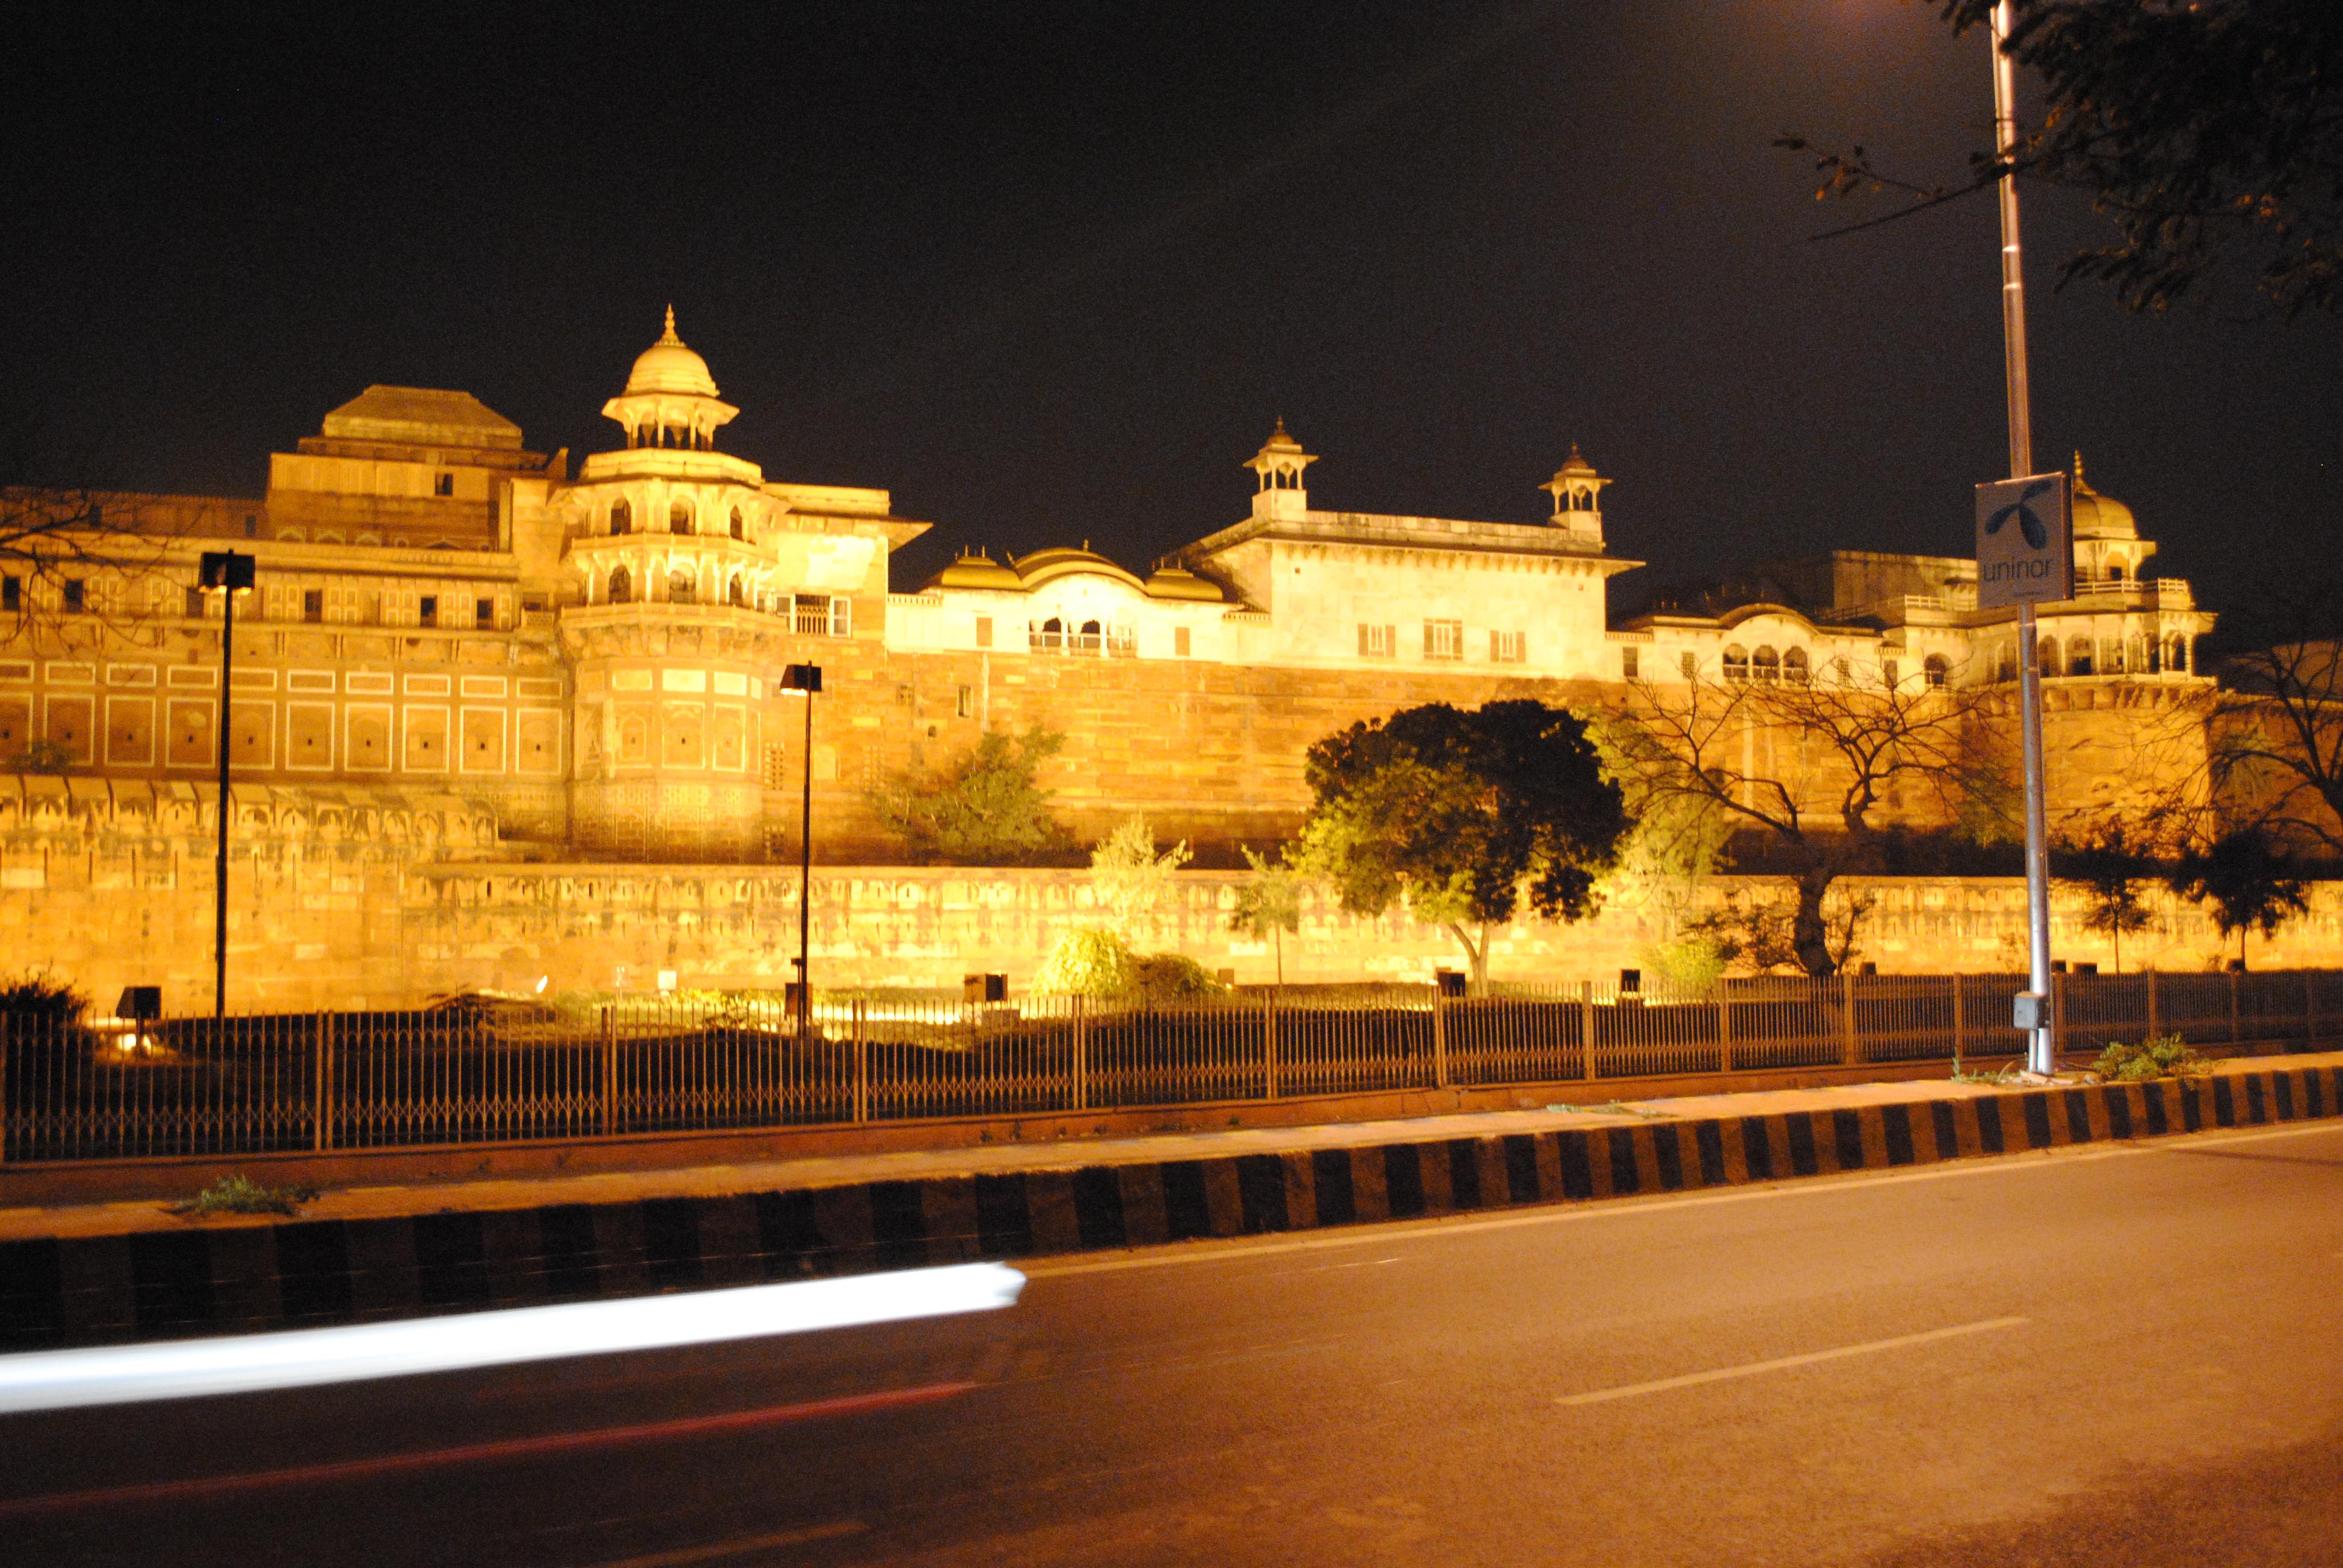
x,y
805,881
219,866
2040,1051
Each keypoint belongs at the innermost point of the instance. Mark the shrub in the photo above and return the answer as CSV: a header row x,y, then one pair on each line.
x,y
2166,1056
1089,961
242,1195
1175,980
38,997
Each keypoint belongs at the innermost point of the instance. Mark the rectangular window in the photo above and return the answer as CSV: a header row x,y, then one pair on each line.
x,y
964,705
194,605
809,615
1509,647
251,527
984,631
1444,639
76,596
426,610
1887,674
1630,662
313,604
1377,641
484,612
1689,664
1179,642
11,594
842,617
445,485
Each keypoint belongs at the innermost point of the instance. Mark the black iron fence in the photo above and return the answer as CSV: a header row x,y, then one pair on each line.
x,y
488,1069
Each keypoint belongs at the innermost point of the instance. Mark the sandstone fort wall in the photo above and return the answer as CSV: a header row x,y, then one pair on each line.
x,y
371,898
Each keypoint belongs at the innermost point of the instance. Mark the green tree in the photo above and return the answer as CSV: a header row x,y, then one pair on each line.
x,y
2113,870
2248,884
1270,903
1460,815
983,809
2209,135
1130,878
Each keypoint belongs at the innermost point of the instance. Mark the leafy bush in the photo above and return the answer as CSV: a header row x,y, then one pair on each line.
x,y
983,809
242,1195
1175,980
2166,1056
38,997
1090,961
1687,968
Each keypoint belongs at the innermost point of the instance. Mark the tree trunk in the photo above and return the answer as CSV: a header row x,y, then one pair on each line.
x,y
1476,958
1278,932
1809,935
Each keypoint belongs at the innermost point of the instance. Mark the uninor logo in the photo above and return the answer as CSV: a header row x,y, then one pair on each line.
x,y
2031,526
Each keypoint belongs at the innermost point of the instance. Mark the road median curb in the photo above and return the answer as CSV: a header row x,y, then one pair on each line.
x,y
246,1276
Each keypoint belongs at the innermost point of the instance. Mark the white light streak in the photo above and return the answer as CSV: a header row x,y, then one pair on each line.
x,y
304,1357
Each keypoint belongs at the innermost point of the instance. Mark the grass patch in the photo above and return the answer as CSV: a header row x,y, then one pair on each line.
x,y
2165,1056
242,1195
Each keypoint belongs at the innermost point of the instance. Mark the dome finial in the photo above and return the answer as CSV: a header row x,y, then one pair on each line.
x,y
669,336
2078,466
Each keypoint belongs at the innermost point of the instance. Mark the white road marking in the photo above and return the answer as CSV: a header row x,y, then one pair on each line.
x,y
1784,1364
716,1550
1382,1233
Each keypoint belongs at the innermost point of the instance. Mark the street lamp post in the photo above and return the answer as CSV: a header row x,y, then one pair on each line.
x,y
2041,1056
805,680
227,573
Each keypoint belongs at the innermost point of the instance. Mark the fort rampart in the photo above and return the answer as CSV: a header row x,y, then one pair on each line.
x,y
375,898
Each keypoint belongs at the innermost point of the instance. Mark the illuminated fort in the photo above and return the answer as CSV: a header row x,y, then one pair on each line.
x,y
592,657
492,718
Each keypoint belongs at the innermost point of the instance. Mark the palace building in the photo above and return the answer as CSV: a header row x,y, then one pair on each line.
x,y
592,659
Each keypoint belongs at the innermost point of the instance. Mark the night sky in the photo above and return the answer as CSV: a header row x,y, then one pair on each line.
x,y
1048,272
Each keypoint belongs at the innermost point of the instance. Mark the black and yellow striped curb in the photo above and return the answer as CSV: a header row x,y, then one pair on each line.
x,y
166,1283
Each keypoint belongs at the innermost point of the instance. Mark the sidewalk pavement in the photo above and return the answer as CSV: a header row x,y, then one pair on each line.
x,y
809,1174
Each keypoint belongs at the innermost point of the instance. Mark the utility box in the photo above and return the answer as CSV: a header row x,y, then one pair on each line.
x,y
1450,983
2030,1011
984,988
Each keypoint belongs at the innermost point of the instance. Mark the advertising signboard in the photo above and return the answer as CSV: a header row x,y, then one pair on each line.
x,y
2025,542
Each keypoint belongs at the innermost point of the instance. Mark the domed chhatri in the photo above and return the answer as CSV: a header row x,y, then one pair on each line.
x,y
1177,582
976,570
1577,490
670,399
668,366
2098,517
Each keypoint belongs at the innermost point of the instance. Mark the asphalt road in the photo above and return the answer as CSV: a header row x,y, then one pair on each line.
x,y
2101,1356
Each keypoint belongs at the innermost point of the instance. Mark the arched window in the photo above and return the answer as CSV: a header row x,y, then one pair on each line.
x,y
2080,659
678,518
2116,568
2005,662
622,587
2155,655
737,593
682,587
2045,653
622,517
1935,670
1736,663
1793,666
739,530
1767,665
2180,656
